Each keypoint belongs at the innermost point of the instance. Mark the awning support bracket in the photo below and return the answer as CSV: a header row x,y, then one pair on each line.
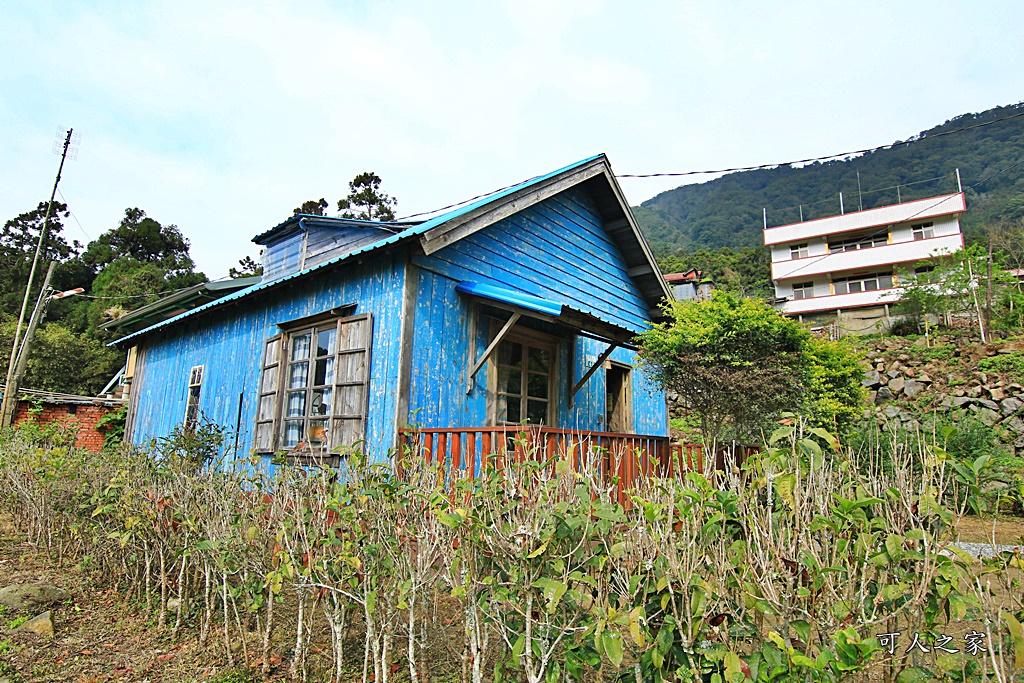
x,y
489,350
593,368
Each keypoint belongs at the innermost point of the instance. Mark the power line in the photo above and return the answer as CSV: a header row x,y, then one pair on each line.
x,y
66,203
464,202
737,168
823,158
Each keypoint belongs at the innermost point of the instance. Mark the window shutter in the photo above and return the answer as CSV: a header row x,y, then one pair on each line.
x,y
267,412
352,380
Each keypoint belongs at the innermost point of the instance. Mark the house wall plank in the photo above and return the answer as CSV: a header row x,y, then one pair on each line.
x,y
229,342
557,249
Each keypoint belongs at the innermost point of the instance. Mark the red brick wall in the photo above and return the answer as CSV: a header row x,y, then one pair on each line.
x,y
84,418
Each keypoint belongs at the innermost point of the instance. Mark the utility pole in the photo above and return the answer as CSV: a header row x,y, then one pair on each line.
x,y
9,401
21,360
988,293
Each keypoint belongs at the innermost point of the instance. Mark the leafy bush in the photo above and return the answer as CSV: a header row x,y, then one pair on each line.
x,y
835,395
737,365
786,570
112,424
1010,364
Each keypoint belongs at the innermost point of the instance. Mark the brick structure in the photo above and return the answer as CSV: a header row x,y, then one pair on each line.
x,y
81,412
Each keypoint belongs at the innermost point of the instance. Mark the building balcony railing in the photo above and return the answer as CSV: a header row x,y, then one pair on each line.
x,y
878,297
917,210
620,459
900,252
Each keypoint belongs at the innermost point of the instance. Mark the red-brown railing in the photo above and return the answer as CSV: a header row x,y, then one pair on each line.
x,y
466,452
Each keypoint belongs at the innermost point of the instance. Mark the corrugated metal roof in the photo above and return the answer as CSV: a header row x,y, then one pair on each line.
x,y
390,240
331,220
510,296
530,302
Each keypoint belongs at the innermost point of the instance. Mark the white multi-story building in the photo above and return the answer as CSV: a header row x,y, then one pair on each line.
x,y
847,267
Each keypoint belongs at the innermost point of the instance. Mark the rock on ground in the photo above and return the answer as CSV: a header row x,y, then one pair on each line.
x,y
41,625
25,596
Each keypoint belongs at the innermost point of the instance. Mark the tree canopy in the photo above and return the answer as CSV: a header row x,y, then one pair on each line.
x,y
737,364
144,240
128,266
365,200
313,207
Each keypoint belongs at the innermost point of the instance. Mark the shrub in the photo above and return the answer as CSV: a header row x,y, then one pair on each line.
x,y
788,569
1010,364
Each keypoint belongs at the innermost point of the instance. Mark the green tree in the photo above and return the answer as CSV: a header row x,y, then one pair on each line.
x,y
834,394
313,207
734,362
950,284
247,267
17,246
737,364
144,240
365,200
65,361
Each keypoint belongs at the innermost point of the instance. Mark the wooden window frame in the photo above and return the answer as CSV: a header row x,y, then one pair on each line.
x,y
626,397
529,339
193,394
345,419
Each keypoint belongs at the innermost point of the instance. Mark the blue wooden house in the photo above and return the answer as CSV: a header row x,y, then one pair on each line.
x,y
516,309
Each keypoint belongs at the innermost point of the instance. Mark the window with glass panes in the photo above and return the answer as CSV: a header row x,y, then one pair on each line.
x,y
313,389
923,231
195,387
309,385
862,283
803,290
877,239
524,382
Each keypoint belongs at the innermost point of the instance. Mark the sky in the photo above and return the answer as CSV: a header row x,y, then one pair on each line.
x,y
221,117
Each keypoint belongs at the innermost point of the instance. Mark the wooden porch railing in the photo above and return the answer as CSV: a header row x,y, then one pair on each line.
x,y
467,452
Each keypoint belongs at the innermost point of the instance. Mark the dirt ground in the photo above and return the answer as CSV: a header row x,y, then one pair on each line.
x,y
1006,530
99,638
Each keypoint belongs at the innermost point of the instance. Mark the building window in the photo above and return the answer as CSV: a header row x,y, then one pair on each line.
x,y
861,242
309,385
313,389
923,231
523,383
195,386
799,251
803,290
862,283
618,407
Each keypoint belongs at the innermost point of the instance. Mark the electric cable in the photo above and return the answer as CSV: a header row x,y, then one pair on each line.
x,y
827,157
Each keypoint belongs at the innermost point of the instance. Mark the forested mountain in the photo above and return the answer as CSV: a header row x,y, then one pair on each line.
x,y
727,211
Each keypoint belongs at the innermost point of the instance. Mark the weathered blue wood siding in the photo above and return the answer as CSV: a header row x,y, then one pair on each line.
x,y
557,249
229,343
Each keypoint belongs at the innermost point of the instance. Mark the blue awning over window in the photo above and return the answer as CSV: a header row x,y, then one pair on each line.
x,y
515,300
510,296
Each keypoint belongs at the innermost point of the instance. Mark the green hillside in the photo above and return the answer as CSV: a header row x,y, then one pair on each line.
x,y
727,211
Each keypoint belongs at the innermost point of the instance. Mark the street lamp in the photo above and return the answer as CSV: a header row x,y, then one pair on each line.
x,y
10,401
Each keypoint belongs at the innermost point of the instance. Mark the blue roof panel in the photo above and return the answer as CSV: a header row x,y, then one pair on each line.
x,y
414,231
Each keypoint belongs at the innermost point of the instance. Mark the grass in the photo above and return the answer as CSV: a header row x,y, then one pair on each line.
x,y
16,622
236,675
1011,364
